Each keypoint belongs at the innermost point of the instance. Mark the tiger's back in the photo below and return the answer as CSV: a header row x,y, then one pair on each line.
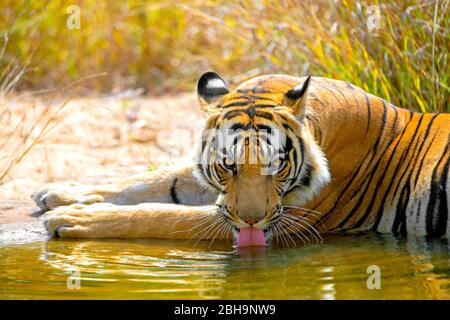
x,y
389,165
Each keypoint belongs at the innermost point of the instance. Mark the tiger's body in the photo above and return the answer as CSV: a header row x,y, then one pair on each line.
x,y
354,160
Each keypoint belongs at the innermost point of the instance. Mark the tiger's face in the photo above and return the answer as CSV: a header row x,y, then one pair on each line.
x,y
257,153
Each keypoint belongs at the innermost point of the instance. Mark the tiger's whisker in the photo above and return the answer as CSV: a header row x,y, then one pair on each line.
x,y
282,237
304,213
209,230
305,217
296,232
205,229
216,232
303,209
288,235
195,226
296,218
304,224
309,228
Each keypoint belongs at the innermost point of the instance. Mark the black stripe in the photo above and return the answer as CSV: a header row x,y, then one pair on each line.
x,y
398,166
375,192
173,192
368,111
399,224
233,113
208,174
295,165
395,116
264,115
250,112
442,220
236,104
383,124
306,179
349,183
240,126
416,178
267,128
302,154
437,197
374,153
316,127
264,105
413,162
371,176
433,199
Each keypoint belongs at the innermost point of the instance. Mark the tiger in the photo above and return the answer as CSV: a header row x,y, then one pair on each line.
x,y
303,156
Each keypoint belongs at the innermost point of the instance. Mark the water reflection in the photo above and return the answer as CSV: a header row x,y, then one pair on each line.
x,y
151,269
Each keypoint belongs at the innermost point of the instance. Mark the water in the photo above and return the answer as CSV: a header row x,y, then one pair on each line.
x,y
151,269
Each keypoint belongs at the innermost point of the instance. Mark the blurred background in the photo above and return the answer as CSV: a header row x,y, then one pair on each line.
x,y
398,50
96,88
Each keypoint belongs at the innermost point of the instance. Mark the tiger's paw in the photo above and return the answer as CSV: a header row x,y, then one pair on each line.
x,y
76,221
54,196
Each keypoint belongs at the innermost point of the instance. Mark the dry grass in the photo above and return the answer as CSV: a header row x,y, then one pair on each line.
x,y
20,134
23,125
164,46
94,139
30,131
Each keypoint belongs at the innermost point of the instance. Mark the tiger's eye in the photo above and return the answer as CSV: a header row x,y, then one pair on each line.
x,y
229,162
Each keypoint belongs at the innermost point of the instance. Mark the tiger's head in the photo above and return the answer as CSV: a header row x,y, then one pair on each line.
x,y
258,152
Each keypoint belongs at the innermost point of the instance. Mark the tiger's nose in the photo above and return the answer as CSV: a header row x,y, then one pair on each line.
x,y
251,221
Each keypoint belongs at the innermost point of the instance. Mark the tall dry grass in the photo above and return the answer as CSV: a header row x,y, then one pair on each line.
x,y
22,126
163,46
20,133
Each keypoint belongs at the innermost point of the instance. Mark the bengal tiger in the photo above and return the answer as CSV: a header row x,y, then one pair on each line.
x,y
303,156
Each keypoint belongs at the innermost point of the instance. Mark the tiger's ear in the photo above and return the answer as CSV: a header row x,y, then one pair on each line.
x,y
210,87
295,99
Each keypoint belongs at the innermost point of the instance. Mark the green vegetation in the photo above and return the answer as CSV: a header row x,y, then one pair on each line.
x,y
163,46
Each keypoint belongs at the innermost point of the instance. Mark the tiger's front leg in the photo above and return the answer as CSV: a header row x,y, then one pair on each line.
x,y
146,220
175,184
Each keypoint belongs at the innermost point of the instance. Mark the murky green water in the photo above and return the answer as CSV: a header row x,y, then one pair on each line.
x,y
150,269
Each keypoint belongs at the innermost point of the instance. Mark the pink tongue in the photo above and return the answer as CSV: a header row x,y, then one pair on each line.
x,y
251,237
